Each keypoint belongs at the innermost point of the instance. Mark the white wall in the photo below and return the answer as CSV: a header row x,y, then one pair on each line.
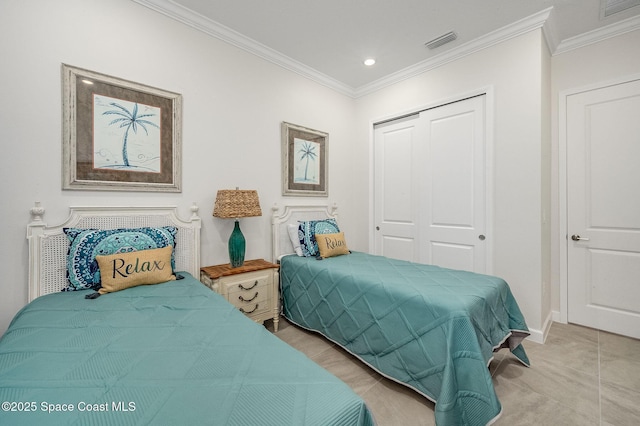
x,y
514,72
233,106
609,60
233,103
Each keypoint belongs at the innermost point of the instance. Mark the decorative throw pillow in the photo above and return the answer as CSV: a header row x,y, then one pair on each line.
x,y
86,244
293,236
307,234
124,270
331,245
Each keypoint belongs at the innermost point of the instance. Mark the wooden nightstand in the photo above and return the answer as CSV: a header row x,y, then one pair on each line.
x,y
252,288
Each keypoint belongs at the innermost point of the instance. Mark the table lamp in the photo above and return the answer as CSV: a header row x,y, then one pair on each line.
x,y
234,204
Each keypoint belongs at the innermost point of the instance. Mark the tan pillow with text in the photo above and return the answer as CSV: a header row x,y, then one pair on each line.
x,y
124,270
331,245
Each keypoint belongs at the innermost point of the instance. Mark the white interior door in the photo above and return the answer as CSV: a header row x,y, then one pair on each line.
x,y
603,208
430,187
396,191
454,201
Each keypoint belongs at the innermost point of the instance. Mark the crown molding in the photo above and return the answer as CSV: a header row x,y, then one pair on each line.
x,y
549,31
542,20
595,36
226,34
495,37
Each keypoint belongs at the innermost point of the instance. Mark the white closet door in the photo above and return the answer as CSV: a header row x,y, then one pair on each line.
x,y
429,187
603,208
453,205
396,189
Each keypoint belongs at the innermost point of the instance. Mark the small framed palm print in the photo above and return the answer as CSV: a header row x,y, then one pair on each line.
x,y
119,135
304,160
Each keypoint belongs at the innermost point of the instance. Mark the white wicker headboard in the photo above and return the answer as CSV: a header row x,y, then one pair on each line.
x,y
280,218
48,245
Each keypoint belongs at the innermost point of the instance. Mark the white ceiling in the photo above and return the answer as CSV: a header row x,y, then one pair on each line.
x,y
328,40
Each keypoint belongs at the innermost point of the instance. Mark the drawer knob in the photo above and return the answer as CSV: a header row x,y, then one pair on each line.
x,y
248,288
242,299
248,312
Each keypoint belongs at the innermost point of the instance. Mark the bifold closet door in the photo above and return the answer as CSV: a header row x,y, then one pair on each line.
x,y
430,187
396,189
453,211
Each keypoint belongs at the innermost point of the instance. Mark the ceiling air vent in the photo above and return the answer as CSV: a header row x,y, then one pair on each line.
x,y
609,7
443,39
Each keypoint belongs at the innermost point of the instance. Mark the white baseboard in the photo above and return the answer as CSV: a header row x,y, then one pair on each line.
x,y
539,336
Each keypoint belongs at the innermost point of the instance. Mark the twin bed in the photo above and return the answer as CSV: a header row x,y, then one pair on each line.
x,y
432,329
178,353
167,354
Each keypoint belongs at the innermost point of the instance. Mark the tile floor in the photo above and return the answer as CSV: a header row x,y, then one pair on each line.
x,y
580,376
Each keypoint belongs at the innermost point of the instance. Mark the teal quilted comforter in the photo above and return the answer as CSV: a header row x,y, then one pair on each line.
x,y
430,328
168,354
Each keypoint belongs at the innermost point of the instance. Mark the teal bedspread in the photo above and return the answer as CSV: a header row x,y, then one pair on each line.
x,y
430,328
168,354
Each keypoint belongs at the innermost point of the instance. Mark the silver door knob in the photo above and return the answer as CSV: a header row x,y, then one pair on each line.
x,y
576,237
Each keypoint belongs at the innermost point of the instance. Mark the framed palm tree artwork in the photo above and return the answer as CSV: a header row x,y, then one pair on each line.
x,y
305,161
119,135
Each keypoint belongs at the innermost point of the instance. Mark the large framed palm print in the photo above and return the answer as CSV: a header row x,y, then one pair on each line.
x,y
304,161
119,135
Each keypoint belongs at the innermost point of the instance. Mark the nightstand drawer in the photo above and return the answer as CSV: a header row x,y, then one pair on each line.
x,y
252,288
250,291
250,295
248,283
252,308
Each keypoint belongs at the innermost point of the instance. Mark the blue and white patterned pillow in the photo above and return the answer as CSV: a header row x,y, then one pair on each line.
x,y
307,231
85,244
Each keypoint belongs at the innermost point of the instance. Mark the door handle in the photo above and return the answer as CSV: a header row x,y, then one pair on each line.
x,y
576,237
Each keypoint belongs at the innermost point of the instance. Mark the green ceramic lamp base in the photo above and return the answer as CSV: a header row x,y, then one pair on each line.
x,y
237,246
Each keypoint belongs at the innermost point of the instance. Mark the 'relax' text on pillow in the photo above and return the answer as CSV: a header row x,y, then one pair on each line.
x,y
331,245
124,270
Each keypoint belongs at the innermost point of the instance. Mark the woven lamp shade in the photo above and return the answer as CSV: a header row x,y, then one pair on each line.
x,y
236,203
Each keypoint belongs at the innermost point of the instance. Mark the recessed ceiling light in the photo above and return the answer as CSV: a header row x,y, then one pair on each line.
x,y
369,62
85,81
